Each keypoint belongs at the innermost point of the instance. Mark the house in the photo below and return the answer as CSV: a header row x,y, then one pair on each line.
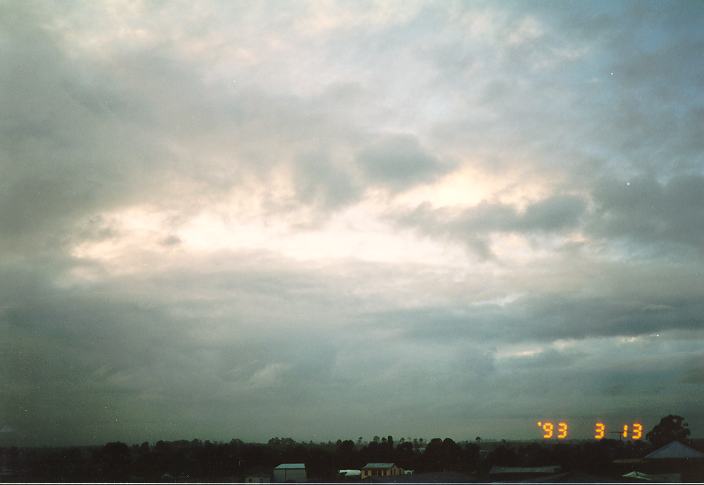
x,y
675,457
381,470
675,451
290,472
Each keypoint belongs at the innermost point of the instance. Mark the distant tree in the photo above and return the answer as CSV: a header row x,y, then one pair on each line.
x,y
405,448
470,455
442,455
503,455
346,446
115,460
671,428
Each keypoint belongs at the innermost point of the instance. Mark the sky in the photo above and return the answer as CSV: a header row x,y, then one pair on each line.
x,y
329,220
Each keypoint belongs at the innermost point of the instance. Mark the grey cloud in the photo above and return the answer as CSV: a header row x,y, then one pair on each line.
x,y
545,318
471,226
399,161
178,353
553,214
171,240
68,150
621,97
121,356
544,360
83,135
650,213
695,375
147,354
323,182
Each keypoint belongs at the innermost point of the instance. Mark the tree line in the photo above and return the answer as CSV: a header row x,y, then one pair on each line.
x,y
234,460
206,460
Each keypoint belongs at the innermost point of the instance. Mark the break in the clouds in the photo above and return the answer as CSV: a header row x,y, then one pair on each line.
x,y
332,219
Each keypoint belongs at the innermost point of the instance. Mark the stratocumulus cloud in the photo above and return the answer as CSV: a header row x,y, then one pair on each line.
x,y
335,219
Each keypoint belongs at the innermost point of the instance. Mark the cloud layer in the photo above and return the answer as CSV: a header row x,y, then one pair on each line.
x,y
332,220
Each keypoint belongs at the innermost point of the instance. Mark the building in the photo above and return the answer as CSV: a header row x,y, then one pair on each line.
x,y
432,477
675,457
349,474
675,451
290,472
381,470
517,473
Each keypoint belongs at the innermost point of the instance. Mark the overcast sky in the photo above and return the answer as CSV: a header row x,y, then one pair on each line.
x,y
329,220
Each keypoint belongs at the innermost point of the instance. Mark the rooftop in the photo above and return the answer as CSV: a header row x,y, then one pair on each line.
x,y
674,451
369,466
498,470
350,473
291,466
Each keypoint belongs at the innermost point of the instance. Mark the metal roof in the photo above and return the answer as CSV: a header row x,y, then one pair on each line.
x,y
291,466
377,465
498,470
674,451
350,473
659,478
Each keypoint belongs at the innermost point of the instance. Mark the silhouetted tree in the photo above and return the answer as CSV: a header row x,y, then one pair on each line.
x,y
503,455
115,460
442,455
671,428
470,456
404,455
